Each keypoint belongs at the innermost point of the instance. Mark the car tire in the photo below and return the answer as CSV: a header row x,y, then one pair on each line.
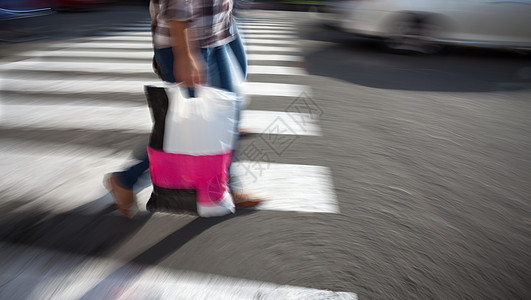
x,y
412,34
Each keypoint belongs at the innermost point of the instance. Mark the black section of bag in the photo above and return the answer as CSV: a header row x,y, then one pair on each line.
x,y
172,200
158,102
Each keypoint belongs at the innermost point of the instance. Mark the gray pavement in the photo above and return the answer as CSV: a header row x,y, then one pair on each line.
x,y
428,157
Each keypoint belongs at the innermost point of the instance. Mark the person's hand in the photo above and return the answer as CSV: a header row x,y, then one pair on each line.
x,y
190,70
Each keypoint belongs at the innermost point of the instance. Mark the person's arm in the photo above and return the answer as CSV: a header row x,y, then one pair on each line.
x,y
188,64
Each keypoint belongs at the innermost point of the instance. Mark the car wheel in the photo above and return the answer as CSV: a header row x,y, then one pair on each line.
x,y
412,34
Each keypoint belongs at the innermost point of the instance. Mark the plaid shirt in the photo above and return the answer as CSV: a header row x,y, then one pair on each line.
x,y
211,21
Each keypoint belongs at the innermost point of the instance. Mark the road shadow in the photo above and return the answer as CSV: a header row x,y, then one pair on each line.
x,y
84,231
366,62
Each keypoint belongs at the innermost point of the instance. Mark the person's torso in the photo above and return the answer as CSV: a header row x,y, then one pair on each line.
x,y
211,21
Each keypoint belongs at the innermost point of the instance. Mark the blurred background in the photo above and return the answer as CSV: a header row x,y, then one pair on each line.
x,y
391,139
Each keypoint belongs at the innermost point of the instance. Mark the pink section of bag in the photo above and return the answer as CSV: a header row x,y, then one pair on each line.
x,y
208,174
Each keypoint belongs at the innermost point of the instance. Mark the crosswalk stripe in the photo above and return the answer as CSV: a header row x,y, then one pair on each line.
x,y
126,33
265,26
274,57
80,277
269,36
147,39
275,182
116,38
286,187
260,48
69,86
135,28
252,41
98,86
265,23
124,67
281,123
145,24
84,54
138,119
274,89
275,70
269,31
139,55
143,46
95,45
83,66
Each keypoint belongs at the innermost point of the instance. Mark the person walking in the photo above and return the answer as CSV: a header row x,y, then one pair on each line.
x,y
191,40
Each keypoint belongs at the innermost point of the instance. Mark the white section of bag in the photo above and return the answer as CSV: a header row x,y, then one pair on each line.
x,y
225,207
199,126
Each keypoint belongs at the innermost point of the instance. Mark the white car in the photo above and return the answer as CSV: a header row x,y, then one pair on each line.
x,y
425,25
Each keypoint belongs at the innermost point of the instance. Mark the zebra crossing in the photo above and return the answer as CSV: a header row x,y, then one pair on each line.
x,y
93,87
118,63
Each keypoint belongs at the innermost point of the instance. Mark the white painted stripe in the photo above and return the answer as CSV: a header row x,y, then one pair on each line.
x,y
288,187
262,48
144,55
96,86
274,89
268,31
58,178
285,187
138,119
266,27
138,38
251,41
59,275
84,54
135,28
131,87
78,117
82,66
126,33
279,123
269,36
115,45
275,70
145,24
266,23
274,57
147,39
143,46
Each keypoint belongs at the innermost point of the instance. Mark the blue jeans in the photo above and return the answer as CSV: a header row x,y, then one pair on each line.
x,y
218,75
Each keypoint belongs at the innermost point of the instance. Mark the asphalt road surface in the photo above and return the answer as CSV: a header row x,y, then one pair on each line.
x,y
390,176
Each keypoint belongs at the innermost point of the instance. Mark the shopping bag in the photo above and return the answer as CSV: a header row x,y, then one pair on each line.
x,y
191,148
